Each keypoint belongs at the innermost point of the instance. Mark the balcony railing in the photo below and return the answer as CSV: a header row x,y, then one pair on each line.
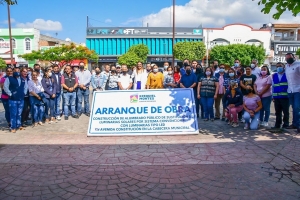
x,y
291,38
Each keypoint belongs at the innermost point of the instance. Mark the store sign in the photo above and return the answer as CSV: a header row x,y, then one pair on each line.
x,y
281,49
128,31
197,31
143,112
4,44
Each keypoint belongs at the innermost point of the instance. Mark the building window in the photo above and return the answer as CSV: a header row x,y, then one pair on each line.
x,y
27,44
13,41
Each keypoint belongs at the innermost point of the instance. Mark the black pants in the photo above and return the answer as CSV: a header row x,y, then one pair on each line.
x,y
26,110
282,106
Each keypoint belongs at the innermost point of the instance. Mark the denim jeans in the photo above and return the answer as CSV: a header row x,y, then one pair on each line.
x,y
85,95
15,109
6,109
208,103
49,106
26,110
69,100
254,120
57,104
37,111
265,111
294,99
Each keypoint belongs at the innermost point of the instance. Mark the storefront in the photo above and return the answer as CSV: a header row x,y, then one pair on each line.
x,y
110,43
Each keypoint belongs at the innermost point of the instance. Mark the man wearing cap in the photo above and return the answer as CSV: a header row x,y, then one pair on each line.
x,y
16,88
292,71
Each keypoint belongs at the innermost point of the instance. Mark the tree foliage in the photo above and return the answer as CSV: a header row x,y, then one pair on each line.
x,y
135,54
280,6
2,63
130,59
141,51
189,50
62,54
10,2
226,54
298,52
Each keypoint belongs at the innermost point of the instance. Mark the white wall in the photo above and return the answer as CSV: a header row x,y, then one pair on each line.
x,y
238,34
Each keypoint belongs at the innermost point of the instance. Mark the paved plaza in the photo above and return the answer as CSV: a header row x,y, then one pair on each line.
x,y
58,161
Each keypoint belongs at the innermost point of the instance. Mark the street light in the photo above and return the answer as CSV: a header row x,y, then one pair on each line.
x,y
10,37
173,33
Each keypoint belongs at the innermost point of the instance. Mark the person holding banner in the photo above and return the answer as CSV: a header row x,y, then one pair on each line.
x,y
124,79
140,77
113,79
155,79
169,81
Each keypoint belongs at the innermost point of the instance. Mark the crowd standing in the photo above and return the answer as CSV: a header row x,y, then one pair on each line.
x,y
244,93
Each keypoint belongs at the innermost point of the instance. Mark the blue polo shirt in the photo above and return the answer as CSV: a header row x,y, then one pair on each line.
x,y
188,80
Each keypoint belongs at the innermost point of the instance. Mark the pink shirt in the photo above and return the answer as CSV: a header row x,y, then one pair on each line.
x,y
251,103
3,96
261,83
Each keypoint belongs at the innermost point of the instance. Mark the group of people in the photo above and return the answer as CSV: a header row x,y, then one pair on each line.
x,y
32,96
244,93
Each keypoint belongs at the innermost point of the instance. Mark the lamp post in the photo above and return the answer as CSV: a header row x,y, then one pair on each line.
x,y
207,45
10,37
173,33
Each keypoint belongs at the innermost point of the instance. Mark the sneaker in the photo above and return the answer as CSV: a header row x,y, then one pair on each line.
x,y
212,120
235,125
266,124
58,118
87,114
66,118
75,116
261,123
13,130
246,127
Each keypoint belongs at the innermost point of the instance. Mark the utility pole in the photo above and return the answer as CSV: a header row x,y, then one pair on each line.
x,y
173,39
10,37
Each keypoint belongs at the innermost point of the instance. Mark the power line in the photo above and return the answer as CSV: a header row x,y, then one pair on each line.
x,y
102,22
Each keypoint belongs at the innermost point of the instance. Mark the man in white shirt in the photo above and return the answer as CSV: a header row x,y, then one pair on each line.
x,y
254,68
84,78
124,80
292,71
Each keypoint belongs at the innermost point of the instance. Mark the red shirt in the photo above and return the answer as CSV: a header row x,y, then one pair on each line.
x,y
176,77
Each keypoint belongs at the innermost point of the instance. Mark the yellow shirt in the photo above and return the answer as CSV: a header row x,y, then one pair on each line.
x,y
155,81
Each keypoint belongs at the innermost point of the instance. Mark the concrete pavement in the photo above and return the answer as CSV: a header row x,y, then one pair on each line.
x,y
58,161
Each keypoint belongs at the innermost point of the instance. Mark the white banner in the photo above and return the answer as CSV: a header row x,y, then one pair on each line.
x,y
143,112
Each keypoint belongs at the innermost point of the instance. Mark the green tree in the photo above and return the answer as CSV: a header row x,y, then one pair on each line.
x,y
2,63
226,54
130,59
280,6
61,54
189,50
298,52
141,50
10,2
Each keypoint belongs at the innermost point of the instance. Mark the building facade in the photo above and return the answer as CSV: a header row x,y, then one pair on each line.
x,y
23,41
110,43
238,34
285,39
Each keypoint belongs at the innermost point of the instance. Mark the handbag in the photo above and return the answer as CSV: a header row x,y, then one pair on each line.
x,y
38,102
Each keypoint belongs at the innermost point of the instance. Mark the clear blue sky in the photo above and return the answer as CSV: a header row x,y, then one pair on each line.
x,y
72,14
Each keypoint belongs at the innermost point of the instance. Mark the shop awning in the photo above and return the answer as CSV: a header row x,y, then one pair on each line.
x,y
8,62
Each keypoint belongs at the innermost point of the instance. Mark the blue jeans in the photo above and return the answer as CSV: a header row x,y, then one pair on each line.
x,y
49,105
37,111
69,100
208,103
85,95
15,109
6,108
294,99
57,104
265,111
254,120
